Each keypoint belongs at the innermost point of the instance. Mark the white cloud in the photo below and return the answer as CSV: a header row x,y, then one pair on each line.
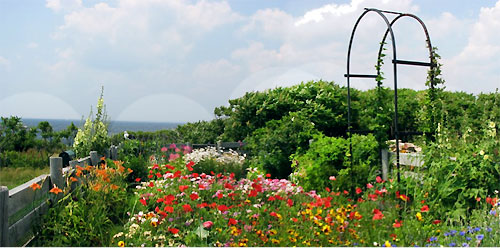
x,y
216,70
32,45
4,63
64,5
475,68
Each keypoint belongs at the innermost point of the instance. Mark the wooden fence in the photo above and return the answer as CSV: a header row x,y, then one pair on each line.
x,y
407,161
22,206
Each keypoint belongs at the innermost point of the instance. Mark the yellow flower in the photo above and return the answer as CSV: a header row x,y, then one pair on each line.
x,y
419,216
275,241
387,244
121,243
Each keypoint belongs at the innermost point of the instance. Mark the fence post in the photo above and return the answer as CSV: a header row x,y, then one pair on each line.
x,y
219,145
4,216
56,176
114,152
385,163
94,158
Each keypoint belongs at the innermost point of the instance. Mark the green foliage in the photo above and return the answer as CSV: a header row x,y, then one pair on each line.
x,y
30,158
201,132
14,136
324,103
329,156
272,145
138,165
94,135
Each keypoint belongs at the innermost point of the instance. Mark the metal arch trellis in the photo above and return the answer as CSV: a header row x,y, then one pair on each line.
x,y
395,62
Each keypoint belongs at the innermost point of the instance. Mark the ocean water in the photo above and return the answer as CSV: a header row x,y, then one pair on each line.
x,y
114,126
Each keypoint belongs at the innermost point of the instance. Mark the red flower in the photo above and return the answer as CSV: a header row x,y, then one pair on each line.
x,y
228,186
169,209
435,222
253,193
327,189
346,192
143,201
268,175
491,201
271,198
138,179
478,199
187,208
183,187
373,197
232,222
425,208
151,184
369,186
378,179
397,223
169,199
191,163
194,196
289,202
295,219
195,174
359,190
173,230
222,208
257,187
169,167
377,215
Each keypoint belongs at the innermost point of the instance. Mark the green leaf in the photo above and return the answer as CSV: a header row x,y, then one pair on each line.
x,y
201,232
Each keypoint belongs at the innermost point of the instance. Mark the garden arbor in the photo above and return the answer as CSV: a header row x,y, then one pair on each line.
x,y
395,61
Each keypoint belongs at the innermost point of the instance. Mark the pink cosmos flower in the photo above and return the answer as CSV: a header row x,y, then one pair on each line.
x,y
208,224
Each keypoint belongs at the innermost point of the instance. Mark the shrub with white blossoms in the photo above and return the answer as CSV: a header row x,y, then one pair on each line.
x,y
94,135
211,153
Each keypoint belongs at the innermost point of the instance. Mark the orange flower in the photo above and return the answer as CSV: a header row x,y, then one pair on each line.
x,y
72,179
97,187
129,170
35,186
78,172
114,187
397,223
55,190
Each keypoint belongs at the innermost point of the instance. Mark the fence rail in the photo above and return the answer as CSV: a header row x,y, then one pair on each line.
x,y
405,159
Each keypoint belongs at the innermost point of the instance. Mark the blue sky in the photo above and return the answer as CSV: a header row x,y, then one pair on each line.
x,y
176,60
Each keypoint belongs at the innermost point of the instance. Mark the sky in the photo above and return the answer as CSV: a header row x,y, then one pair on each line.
x,y
176,60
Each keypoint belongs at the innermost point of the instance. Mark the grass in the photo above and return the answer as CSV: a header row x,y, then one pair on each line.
x,y
13,177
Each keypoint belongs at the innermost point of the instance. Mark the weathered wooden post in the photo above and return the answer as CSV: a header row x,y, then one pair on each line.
x,y
4,216
219,145
114,152
385,163
56,176
94,158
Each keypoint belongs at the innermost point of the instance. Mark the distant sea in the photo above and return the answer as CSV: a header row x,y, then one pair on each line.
x,y
114,126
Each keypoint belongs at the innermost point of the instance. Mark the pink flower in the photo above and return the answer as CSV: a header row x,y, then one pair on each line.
x,y
172,146
208,224
164,149
369,186
173,156
332,178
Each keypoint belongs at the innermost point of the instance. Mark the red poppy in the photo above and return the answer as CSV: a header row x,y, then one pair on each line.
x,y
138,179
228,186
435,222
232,222
268,175
271,198
222,208
425,208
183,187
143,201
359,190
289,202
187,208
377,214
169,209
253,193
173,230
397,223
194,196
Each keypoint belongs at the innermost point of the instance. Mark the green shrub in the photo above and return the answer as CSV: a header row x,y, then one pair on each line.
x,y
272,145
30,158
329,156
138,165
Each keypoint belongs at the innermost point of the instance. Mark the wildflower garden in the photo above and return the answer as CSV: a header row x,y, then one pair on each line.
x,y
292,182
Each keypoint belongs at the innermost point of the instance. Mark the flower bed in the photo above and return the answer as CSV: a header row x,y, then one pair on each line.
x,y
176,206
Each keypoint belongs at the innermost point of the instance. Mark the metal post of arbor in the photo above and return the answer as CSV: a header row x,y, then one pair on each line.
x,y
395,62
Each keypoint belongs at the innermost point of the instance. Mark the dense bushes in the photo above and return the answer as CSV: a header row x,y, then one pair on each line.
x,y
329,156
272,145
30,158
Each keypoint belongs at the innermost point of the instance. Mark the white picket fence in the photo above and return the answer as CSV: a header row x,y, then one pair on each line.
x,y
408,160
